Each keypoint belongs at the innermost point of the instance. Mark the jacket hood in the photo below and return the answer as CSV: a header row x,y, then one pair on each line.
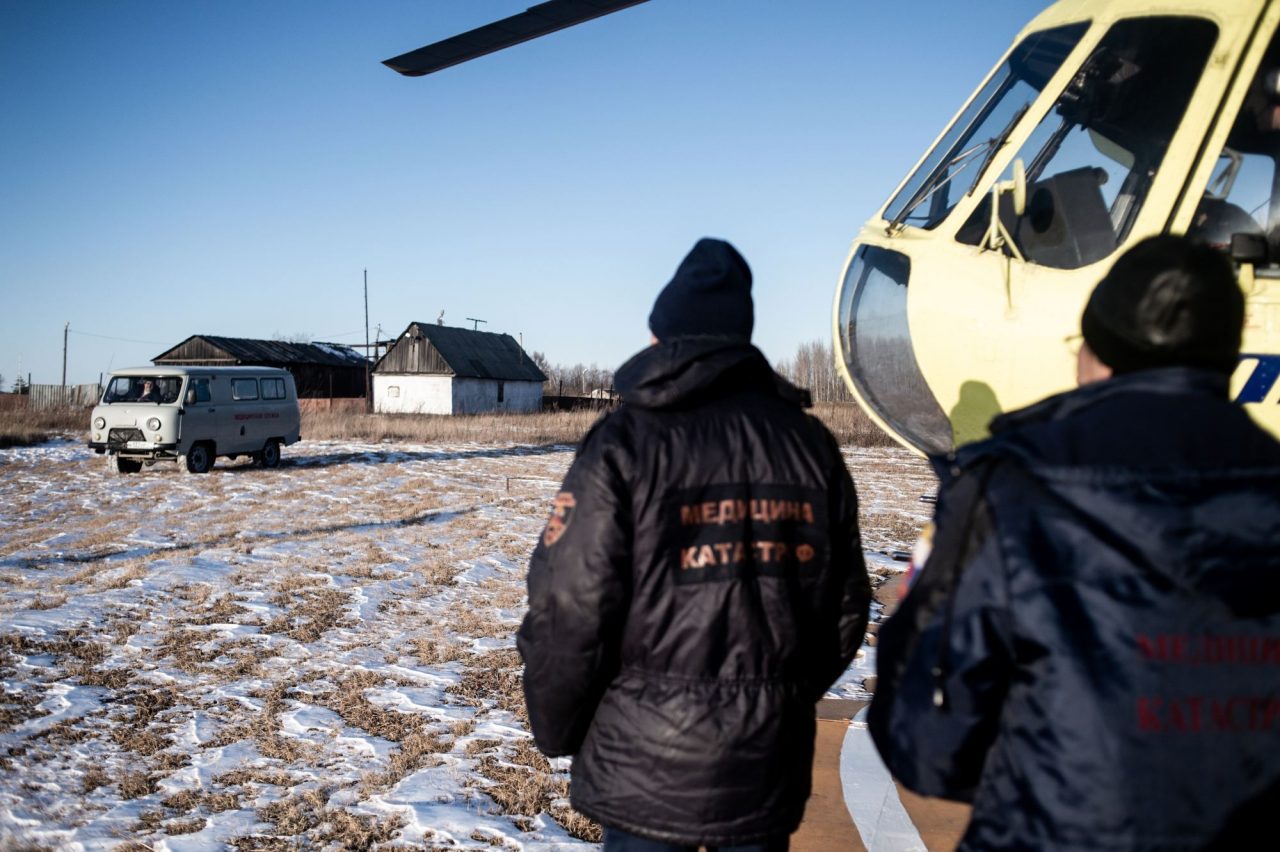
x,y
690,370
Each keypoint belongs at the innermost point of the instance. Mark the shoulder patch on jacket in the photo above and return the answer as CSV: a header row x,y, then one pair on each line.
x,y
561,513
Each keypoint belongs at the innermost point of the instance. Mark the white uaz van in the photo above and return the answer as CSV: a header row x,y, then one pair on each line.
x,y
150,414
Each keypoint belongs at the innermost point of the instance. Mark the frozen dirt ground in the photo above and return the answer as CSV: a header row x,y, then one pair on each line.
x,y
320,655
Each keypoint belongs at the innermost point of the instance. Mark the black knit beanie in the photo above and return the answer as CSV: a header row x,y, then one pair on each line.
x,y
1166,302
709,296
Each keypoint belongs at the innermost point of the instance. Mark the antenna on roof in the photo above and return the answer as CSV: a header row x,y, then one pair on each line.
x,y
440,319
477,322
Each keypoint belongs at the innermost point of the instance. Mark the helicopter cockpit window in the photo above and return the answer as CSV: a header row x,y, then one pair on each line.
x,y
964,151
1091,161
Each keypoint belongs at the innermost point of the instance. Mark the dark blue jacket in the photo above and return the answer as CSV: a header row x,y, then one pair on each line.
x,y
1091,654
698,588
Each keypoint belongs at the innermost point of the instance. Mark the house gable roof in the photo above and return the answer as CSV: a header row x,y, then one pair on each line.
x,y
243,350
476,354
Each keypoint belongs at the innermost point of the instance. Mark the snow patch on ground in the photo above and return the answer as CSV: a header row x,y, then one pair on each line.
x,y
319,654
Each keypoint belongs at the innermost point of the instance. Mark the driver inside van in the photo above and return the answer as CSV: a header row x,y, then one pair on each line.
x,y
150,393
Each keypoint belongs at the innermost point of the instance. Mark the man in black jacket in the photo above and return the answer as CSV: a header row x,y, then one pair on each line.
x,y
1091,653
699,585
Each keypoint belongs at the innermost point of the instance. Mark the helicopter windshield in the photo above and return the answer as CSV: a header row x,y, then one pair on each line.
x,y
975,136
1092,159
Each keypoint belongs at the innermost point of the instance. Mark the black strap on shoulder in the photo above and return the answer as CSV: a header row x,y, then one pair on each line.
x,y
953,547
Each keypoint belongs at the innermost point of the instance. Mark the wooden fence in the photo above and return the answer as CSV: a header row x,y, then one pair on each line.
x,y
337,405
60,396
576,403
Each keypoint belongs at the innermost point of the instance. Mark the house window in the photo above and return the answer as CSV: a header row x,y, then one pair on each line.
x,y
393,390
501,388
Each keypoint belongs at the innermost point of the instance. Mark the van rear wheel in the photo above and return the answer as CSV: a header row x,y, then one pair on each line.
x,y
199,458
270,454
124,465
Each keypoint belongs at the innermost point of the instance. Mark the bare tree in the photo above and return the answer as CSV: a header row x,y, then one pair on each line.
x,y
814,367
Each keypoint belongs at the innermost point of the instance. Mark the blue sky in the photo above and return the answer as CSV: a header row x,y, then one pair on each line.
x,y
230,168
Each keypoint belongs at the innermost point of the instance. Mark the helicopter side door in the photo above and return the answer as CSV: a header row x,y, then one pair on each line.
x,y
1232,202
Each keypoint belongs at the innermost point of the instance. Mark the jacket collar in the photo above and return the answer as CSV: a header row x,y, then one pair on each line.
x,y
694,369
1165,380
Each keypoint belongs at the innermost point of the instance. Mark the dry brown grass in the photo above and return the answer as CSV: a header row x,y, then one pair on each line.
x,y
559,427
16,708
185,826
345,830
851,425
135,731
264,730
256,775
182,645
479,622
846,420
524,785
134,785
417,751
94,777
493,679
23,427
311,609
134,570
348,701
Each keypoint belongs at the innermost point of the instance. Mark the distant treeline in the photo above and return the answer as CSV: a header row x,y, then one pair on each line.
x,y
812,367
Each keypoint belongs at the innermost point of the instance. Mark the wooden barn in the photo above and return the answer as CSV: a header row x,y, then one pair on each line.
x,y
440,369
320,370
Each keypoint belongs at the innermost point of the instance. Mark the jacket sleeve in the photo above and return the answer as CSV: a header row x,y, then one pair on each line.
x,y
579,587
849,579
944,659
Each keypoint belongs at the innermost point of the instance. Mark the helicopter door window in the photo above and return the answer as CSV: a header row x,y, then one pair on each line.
x,y
1237,200
1243,195
961,155
1091,161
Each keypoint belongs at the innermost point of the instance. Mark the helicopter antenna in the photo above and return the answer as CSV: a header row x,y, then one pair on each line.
x,y
540,20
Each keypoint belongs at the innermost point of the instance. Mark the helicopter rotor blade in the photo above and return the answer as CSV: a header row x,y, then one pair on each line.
x,y
530,24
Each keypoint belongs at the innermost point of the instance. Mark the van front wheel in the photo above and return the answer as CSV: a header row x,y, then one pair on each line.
x,y
199,458
270,455
125,465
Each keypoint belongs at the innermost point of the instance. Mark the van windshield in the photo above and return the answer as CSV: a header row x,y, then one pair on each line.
x,y
142,389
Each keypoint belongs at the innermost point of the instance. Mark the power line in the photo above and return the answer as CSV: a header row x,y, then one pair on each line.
x,y
121,339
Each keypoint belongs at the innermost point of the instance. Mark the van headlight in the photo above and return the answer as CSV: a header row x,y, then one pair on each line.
x,y
154,424
99,423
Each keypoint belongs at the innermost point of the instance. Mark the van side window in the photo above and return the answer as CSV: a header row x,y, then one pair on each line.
x,y
244,389
199,387
273,388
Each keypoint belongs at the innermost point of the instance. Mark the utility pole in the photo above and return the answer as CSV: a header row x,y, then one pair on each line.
x,y
62,393
368,395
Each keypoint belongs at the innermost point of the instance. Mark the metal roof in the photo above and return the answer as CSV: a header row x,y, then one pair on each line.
x,y
478,354
242,349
